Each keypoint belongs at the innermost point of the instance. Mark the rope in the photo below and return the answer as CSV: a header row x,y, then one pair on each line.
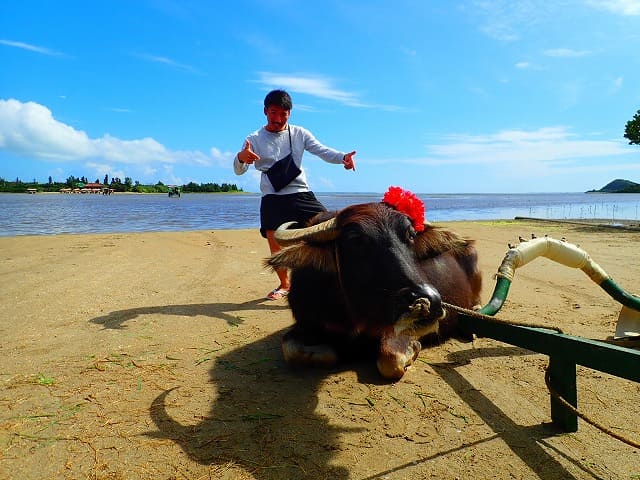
x,y
575,411
474,314
547,375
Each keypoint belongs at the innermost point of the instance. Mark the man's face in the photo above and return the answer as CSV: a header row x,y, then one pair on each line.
x,y
277,118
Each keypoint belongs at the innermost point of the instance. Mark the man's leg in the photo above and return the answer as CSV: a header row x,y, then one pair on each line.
x,y
283,273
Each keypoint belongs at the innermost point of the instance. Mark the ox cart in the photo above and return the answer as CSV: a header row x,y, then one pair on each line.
x,y
174,191
564,351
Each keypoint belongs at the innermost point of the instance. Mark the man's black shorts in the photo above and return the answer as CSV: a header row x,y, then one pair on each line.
x,y
294,207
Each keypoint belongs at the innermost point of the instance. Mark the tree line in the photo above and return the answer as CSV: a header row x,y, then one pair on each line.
x,y
116,184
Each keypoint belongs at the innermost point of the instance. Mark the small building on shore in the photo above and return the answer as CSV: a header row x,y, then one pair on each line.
x,y
91,188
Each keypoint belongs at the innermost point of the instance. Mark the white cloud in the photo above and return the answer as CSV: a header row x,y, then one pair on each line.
x,y
223,158
566,53
505,20
409,52
545,148
315,85
31,48
523,65
616,85
166,61
263,45
131,151
102,169
622,7
118,110
29,129
171,178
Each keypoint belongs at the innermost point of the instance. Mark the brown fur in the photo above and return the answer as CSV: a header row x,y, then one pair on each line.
x,y
318,257
433,241
369,300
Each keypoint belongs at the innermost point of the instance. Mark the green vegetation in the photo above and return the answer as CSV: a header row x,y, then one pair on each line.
x,y
632,130
45,380
116,185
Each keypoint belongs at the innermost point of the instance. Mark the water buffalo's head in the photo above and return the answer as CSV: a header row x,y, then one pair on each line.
x,y
386,275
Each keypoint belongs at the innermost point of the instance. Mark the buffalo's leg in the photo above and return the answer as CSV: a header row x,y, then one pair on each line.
x,y
298,350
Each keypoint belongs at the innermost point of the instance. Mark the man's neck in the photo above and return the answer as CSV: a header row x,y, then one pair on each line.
x,y
268,129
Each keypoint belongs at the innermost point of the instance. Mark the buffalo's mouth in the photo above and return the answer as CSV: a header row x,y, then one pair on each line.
x,y
400,344
421,318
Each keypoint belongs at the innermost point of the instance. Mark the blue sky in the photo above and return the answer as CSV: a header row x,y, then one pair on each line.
x,y
435,96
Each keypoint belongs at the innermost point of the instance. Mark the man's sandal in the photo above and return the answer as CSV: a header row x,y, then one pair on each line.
x,y
277,294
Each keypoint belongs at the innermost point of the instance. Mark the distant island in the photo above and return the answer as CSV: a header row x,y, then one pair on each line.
x,y
619,186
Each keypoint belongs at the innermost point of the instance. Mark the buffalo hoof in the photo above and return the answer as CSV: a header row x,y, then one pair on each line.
x,y
297,353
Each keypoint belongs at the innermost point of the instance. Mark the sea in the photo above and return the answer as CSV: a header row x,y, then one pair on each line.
x,y
57,213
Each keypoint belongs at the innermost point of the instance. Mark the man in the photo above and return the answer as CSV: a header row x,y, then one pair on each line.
x,y
286,196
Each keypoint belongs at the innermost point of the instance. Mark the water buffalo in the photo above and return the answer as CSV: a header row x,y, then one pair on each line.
x,y
369,278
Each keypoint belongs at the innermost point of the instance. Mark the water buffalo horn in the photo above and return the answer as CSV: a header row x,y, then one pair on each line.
x,y
322,232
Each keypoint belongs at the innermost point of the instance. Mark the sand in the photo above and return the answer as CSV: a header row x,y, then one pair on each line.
x,y
154,355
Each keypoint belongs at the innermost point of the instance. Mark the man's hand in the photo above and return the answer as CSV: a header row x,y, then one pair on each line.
x,y
246,155
348,161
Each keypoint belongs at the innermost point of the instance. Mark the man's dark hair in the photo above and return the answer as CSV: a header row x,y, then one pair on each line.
x,y
279,98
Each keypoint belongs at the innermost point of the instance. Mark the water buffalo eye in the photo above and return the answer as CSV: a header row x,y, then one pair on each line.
x,y
410,234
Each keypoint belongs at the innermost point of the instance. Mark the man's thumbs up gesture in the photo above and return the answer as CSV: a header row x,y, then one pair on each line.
x,y
246,155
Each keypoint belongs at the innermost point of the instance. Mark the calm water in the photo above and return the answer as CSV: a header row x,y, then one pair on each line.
x,y
46,214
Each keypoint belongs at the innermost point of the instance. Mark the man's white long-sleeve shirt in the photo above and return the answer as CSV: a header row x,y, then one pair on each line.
x,y
272,146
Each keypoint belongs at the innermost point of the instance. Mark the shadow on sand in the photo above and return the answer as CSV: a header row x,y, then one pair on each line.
x,y
265,416
223,311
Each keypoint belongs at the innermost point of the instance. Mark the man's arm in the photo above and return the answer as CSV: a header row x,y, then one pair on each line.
x,y
244,158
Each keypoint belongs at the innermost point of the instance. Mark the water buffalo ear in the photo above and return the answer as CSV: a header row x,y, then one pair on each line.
x,y
433,241
316,256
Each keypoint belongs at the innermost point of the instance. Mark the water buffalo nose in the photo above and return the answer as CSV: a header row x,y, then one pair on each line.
x,y
408,297
431,294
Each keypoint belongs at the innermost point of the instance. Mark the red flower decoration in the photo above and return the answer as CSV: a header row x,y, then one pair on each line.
x,y
408,203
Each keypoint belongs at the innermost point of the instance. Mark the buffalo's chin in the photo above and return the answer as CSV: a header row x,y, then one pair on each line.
x,y
400,345
397,353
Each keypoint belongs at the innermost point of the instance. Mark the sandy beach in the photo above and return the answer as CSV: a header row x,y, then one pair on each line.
x,y
155,356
